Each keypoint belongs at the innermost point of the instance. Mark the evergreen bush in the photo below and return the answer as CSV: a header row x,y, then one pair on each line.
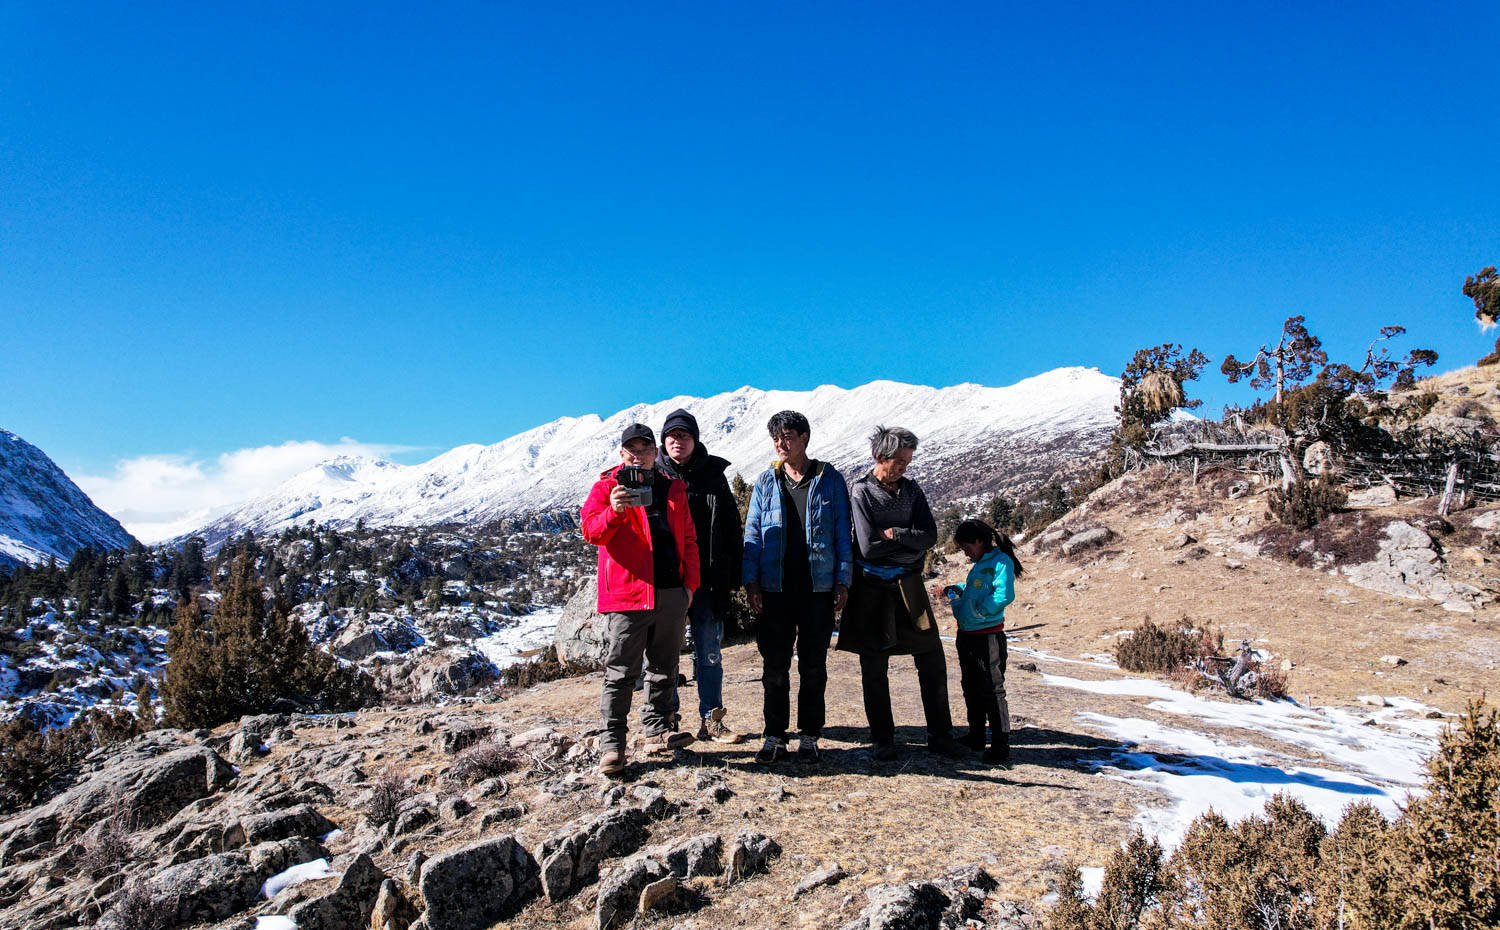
x,y
1306,503
1437,867
1162,650
246,659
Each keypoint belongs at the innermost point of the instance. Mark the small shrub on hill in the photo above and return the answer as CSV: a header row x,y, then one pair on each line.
x,y
387,793
489,759
1437,867
1163,650
1306,503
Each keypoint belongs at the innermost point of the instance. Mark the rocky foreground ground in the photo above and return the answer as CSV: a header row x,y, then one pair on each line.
x,y
471,815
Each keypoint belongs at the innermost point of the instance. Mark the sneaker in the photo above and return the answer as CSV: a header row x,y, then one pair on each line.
x,y
612,763
884,750
666,742
713,728
807,750
772,751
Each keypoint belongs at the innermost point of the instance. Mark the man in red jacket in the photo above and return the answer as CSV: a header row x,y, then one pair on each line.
x,y
648,571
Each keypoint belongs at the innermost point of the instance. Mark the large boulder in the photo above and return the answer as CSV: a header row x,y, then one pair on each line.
x,y
452,671
1407,565
301,820
571,856
211,888
350,902
475,886
147,782
580,635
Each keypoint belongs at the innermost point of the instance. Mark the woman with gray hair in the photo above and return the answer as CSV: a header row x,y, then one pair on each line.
x,y
888,611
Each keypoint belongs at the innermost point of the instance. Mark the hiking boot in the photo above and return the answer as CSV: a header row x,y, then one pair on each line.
x,y
946,746
612,763
974,739
807,750
884,750
999,753
713,728
772,751
666,742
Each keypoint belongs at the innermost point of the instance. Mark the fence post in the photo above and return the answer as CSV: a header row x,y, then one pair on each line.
x,y
1447,500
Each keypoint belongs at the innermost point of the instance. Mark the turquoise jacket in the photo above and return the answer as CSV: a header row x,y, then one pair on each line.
x,y
979,603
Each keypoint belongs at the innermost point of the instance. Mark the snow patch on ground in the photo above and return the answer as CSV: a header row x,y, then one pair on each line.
x,y
275,922
1374,757
530,632
306,872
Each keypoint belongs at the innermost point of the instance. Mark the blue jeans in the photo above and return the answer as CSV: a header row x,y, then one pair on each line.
x,y
708,665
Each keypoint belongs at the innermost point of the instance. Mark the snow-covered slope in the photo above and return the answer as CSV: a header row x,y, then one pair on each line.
x,y
974,439
42,512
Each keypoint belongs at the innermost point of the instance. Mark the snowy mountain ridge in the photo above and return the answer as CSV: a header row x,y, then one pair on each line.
x,y
974,439
43,513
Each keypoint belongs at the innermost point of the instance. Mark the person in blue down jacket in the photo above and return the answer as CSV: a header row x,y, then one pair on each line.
x,y
979,607
797,566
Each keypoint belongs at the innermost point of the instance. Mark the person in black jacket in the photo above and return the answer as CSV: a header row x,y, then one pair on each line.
x,y
716,517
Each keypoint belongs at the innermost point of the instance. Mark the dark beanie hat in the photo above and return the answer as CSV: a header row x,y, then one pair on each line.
x,y
681,419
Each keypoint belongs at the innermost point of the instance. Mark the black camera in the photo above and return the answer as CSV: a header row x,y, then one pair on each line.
x,y
637,483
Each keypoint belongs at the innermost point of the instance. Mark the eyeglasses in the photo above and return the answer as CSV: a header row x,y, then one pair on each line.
x,y
640,449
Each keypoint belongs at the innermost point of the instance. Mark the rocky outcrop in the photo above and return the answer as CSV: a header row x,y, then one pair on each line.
x,y
1408,565
350,902
452,671
947,903
579,636
472,887
211,888
571,856
146,783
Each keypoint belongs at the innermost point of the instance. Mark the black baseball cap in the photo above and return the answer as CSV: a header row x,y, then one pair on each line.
x,y
637,431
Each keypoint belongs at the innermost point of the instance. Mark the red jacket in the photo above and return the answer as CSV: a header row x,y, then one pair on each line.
x,y
624,541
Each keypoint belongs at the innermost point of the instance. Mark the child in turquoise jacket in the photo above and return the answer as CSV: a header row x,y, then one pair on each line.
x,y
979,607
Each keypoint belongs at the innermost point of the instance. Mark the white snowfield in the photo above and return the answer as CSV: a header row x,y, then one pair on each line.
x,y
552,466
1332,757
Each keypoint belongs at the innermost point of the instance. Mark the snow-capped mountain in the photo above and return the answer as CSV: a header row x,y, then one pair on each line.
x,y
43,513
974,440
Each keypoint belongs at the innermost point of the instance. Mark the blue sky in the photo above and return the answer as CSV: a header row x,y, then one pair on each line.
x,y
234,228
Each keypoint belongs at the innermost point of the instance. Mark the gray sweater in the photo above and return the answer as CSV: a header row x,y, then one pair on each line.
x,y
905,511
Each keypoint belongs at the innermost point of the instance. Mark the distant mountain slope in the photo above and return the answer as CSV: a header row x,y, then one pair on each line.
x,y
974,439
43,513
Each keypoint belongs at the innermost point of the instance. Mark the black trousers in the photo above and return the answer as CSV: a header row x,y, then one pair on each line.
x,y
932,680
800,623
981,666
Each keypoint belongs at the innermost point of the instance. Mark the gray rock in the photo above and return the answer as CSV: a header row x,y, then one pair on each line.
x,y
1087,539
301,820
147,781
451,671
571,856
211,888
455,809
391,911
620,890
1406,565
579,636
750,852
461,736
1382,495
696,856
1490,520
829,876
268,859
475,886
663,895
913,906
349,903
412,819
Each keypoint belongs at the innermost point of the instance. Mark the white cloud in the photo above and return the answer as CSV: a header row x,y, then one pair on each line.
x,y
158,497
